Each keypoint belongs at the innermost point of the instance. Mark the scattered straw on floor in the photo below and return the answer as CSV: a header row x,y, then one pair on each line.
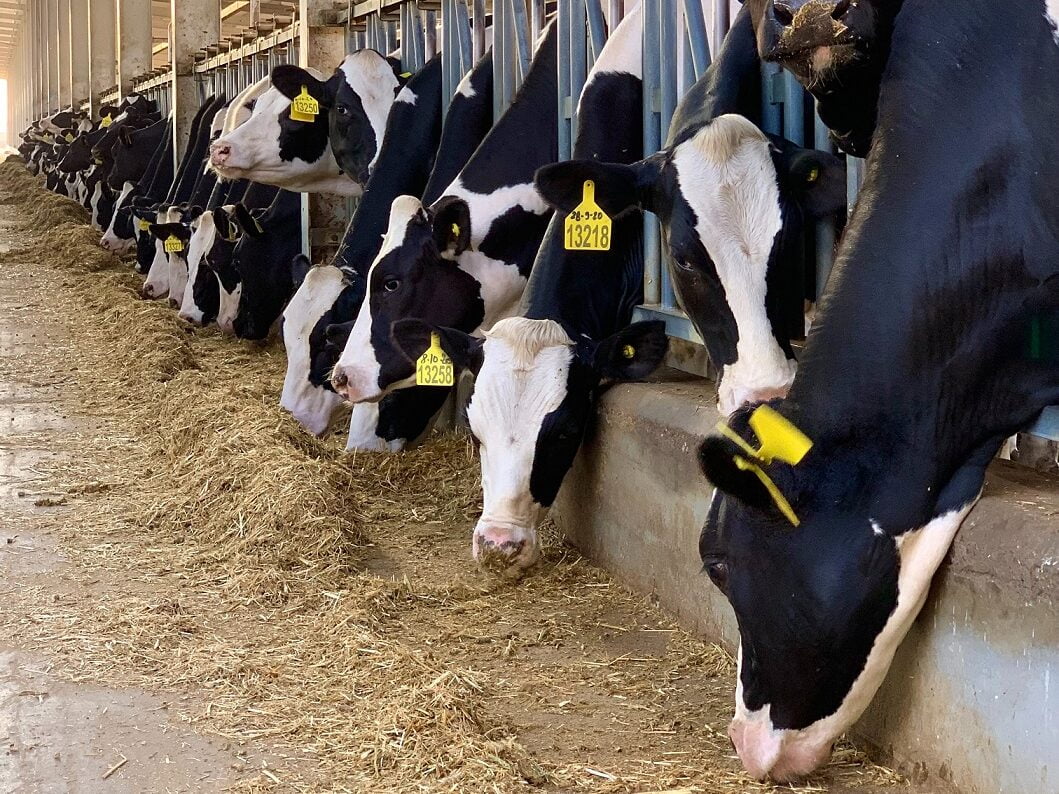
x,y
325,605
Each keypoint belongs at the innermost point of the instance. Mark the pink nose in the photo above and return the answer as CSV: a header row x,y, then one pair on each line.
x,y
219,154
504,549
781,755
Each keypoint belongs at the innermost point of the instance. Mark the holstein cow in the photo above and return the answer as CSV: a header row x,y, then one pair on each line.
x,y
332,294
837,49
537,376
274,148
845,497
463,261
731,202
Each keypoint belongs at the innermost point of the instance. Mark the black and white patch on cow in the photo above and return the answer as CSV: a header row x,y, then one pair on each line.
x,y
117,238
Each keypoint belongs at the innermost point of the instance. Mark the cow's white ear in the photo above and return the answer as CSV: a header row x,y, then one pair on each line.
x,y
632,353
412,337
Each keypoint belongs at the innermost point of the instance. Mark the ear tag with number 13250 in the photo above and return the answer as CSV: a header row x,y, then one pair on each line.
x,y
304,107
588,226
434,367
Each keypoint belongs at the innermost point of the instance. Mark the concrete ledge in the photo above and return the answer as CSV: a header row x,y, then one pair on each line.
x,y
973,695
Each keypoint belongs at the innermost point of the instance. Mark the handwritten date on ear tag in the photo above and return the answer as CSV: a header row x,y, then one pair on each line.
x,y
434,367
304,107
587,227
173,244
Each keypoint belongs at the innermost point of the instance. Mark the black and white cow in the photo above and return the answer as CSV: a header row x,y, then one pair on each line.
x,y
913,375
837,49
273,148
537,375
463,261
332,294
732,203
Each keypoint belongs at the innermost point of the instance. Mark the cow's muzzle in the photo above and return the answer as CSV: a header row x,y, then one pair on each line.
x,y
793,30
504,549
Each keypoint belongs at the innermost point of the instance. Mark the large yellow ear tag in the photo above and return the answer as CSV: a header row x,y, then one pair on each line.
x,y
173,244
434,367
780,440
304,107
69,137
143,225
588,227
106,121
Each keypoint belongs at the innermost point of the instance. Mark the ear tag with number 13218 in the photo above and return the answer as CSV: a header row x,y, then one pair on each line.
x,y
434,367
304,107
588,226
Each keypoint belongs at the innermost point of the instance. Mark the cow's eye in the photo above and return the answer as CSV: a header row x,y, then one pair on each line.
x,y
342,110
391,284
718,573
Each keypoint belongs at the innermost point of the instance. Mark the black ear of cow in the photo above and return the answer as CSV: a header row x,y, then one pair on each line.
x,y
717,460
452,225
247,222
633,352
299,268
618,187
815,179
123,136
412,337
163,231
289,79
337,334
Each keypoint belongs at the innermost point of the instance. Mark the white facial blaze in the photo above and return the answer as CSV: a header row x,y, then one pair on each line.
x,y
204,232
727,177
312,406
1051,13
156,284
110,240
920,553
522,380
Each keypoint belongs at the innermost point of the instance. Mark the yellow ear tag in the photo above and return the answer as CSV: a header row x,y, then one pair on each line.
x,y
143,225
455,230
405,75
69,137
304,107
780,440
106,121
587,227
173,244
434,367
629,352
813,175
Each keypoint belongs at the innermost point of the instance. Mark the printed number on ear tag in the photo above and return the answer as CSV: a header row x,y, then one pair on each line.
x,y
106,121
173,244
304,107
434,367
588,227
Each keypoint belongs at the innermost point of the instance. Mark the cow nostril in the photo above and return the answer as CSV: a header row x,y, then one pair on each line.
x,y
841,9
339,379
784,13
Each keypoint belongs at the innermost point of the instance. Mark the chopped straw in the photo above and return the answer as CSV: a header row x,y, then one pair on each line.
x,y
322,607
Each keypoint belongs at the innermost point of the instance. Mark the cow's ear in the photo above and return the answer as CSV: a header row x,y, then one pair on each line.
x,y
337,334
452,225
633,352
248,222
163,230
299,268
193,212
718,459
412,337
226,227
289,79
123,136
618,188
816,180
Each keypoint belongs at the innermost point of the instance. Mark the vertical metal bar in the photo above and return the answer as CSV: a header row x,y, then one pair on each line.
x,y
825,230
695,31
771,97
448,52
667,73
520,28
563,68
430,43
478,29
615,13
466,47
536,20
651,141
578,60
722,21
854,178
793,110
597,27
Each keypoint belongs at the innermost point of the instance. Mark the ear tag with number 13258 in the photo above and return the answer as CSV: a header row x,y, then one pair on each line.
x,y
588,226
304,107
434,367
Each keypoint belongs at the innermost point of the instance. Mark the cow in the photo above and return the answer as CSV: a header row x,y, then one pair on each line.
x,y
845,496
731,202
837,49
274,148
332,294
537,375
463,261
134,151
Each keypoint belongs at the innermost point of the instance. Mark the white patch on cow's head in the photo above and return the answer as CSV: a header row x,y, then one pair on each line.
x,y
726,175
228,308
788,754
110,240
1051,13
372,79
623,53
358,369
523,379
466,88
312,406
203,233
363,431
406,95
156,285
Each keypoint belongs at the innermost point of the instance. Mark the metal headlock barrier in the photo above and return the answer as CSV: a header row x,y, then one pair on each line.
x,y
231,65
157,85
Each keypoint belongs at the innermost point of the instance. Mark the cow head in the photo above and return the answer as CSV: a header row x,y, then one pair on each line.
x,y
533,399
731,203
357,101
219,259
199,303
142,215
811,661
416,274
177,232
324,299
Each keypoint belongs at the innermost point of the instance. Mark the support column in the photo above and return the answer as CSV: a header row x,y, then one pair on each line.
x,y
54,59
195,24
49,34
79,51
102,55
36,60
322,46
134,41
66,96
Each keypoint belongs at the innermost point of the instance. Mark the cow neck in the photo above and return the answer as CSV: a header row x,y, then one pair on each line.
x,y
402,168
915,361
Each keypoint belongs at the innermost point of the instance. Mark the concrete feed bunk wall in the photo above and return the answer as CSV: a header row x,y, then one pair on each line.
x,y
973,695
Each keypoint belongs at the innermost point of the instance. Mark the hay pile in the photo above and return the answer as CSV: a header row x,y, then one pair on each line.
x,y
324,605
